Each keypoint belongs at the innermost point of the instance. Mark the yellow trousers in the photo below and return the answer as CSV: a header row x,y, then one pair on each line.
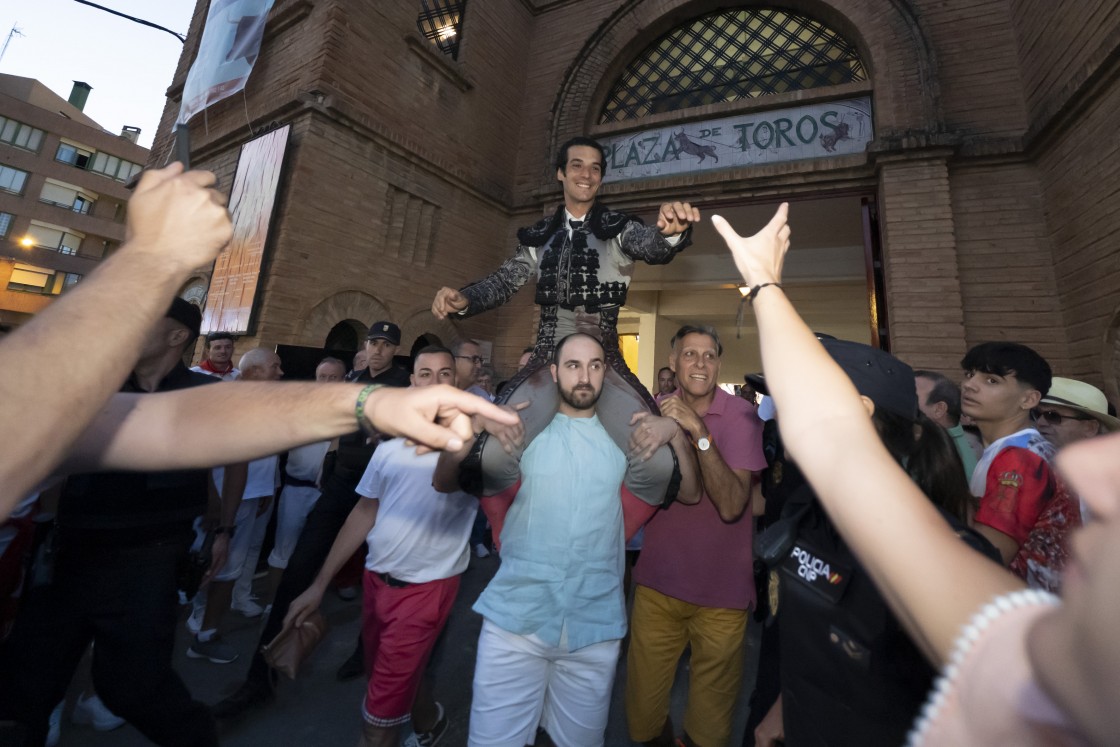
x,y
659,629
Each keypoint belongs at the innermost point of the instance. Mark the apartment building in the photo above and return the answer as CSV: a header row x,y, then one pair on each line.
x,y
62,193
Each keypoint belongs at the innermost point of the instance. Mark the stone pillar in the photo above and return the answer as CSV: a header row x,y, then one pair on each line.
x,y
923,289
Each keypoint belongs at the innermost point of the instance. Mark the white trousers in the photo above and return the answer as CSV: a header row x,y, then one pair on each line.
x,y
247,540
520,682
296,502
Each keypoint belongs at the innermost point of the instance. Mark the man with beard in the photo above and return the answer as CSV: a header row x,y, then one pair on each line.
x,y
554,613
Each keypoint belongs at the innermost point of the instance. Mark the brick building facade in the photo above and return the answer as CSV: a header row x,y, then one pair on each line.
x,y
990,180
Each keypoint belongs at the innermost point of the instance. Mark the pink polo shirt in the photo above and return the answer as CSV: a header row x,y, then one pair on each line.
x,y
689,552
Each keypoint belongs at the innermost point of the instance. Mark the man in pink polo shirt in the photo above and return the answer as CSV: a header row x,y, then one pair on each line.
x,y
694,578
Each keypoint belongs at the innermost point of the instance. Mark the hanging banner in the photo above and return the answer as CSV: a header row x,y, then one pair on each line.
x,y
809,131
231,40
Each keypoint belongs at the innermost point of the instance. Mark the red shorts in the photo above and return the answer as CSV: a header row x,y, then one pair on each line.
x,y
400,626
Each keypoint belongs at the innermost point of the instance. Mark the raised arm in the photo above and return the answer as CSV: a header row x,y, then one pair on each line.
x,y
490,292
176,224
659,243
932,581
173,430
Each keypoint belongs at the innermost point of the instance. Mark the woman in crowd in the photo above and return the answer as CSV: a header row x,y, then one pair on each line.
x,y
1020,667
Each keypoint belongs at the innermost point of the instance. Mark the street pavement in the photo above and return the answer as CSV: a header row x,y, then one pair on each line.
x,y
316,709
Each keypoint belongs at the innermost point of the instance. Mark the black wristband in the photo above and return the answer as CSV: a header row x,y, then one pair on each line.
x,y
755,289
225,530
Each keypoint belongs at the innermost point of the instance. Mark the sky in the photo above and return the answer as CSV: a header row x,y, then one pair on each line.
x,y
129,66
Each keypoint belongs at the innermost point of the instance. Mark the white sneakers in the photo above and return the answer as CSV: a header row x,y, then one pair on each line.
x,y
92,712
246,607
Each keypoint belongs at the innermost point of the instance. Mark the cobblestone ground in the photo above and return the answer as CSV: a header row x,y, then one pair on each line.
x,y
316,709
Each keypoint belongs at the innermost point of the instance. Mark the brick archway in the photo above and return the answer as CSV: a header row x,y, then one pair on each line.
x,y
889,35
341,306
421,321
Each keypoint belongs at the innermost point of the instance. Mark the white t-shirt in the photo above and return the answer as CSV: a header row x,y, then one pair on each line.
x,y
420,534
264,478
231,375
306,462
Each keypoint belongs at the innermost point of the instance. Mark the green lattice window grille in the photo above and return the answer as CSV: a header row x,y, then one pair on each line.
x,y
732,55
441,23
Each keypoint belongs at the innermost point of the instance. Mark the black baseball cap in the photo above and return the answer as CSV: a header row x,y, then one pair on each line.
x,y
877,375
385,331
187,314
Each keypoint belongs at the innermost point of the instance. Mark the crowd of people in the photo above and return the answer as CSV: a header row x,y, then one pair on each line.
x,y
878,523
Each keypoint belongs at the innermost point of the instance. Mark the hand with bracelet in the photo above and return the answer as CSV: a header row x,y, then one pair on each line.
x,y
759,258
435,417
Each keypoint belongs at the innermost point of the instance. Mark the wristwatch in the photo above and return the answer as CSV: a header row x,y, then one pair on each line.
x,y
225,530
703,443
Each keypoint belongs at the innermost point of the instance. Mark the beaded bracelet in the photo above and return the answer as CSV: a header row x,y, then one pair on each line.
x,y
360,408
962,647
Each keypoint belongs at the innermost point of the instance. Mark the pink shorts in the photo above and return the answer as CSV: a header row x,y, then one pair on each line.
x,y
400,625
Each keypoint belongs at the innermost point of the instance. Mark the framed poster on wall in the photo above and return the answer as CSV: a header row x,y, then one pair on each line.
x,y
252,204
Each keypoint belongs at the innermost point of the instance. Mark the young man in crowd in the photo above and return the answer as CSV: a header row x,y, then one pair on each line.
x,y
417,540
217,359
323,523
1024,510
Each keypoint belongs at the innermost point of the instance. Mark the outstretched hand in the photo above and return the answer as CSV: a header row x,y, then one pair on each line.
x,y
435,417
448,301
676,217
759,258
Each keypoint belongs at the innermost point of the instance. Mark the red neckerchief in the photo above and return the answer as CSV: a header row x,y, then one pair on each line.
x,y
206,365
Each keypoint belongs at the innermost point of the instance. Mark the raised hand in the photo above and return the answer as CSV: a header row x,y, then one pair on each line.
x,y
448,301
676,217
759,258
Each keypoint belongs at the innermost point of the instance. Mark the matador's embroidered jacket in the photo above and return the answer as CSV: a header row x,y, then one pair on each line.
x,y
578,281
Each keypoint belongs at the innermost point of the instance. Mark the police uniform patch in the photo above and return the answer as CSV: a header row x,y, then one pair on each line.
x,y
819,571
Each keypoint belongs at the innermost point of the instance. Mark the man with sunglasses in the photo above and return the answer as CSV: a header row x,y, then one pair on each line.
x,y
1072,411
1024,511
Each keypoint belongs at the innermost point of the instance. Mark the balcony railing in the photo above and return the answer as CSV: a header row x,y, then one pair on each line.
x,y
83,207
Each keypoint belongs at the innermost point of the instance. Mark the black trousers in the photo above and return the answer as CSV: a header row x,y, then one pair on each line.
x,y
124,600
314,544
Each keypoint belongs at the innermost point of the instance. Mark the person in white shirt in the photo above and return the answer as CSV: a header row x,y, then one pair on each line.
x,y
301,488
417,540
246,534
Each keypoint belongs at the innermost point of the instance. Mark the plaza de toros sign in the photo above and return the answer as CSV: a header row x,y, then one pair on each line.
x,y
793,134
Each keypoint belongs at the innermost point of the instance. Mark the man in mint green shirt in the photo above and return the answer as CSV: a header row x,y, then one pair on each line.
x,y
939,398
554,612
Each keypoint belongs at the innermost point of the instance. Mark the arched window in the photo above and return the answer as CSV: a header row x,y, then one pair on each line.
x,y
728,56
